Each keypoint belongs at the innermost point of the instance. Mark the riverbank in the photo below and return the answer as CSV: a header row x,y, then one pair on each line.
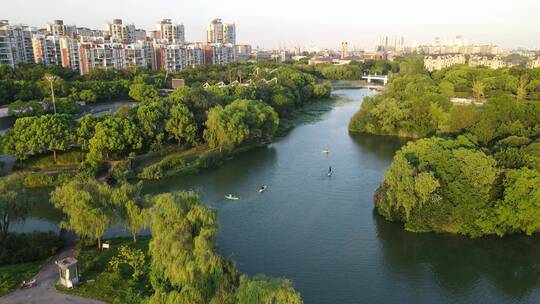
x,y
158,165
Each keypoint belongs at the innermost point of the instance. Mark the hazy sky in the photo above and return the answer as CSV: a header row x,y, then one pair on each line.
x,y
300,22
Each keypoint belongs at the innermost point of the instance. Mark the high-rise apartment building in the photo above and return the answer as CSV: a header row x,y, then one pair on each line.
x,y
47,50
122,33
218,53
390,43
173,33
71,53
344,50
15,44
58,28
219,32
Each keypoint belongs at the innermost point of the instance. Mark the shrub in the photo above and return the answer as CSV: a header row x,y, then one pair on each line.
x,y
210,159
22,248
38,180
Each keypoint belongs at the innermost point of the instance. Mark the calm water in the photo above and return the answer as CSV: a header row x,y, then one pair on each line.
x,y
321,232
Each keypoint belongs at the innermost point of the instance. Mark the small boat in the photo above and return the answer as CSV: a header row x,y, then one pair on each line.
x,y
232,197
263,188
326,151
330,171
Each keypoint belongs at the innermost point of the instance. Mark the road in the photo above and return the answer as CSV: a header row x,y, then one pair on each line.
x,y
45,291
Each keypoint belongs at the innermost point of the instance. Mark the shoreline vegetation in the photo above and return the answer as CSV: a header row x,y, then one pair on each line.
x,y
469,168
88,162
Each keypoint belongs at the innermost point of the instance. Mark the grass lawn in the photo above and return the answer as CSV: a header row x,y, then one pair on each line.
x,y
12,275
99,282
64,160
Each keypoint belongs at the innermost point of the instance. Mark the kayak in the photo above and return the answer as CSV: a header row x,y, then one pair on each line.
x,y
262,189
232,197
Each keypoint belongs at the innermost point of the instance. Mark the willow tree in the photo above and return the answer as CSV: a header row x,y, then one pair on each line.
x,y
264,290
14,202
185,266
87,207
129,202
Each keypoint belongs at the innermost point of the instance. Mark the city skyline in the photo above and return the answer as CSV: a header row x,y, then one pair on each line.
x,y
306,23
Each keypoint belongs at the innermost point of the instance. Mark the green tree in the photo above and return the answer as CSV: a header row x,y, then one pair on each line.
x,y
14,202
114,135
87,207
479,89
128,199
181,124
263,290
143,92
86,130
88,96
520,208
34,135
185,267
151,119
240,121
133,258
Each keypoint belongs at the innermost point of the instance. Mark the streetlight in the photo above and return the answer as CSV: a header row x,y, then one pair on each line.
x,y
51,79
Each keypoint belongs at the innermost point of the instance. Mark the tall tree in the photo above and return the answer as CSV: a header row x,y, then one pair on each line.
x,y
87,207
181,124
185,266
14,202
130,203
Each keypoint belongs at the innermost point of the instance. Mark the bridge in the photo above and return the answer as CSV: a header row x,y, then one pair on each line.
x,y
383,78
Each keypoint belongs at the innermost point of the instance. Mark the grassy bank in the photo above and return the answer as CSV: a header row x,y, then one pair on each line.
x,y
175,161
100,281
12,275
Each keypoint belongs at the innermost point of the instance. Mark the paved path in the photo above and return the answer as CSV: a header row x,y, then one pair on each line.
x,y
45,291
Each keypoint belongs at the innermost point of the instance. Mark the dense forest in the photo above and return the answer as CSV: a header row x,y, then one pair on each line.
x,y
480,173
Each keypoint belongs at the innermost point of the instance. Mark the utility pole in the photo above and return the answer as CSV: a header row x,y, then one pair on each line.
x,y
51,79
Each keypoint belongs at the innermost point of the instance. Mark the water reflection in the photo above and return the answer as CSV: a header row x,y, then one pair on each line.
x,y
459,264
383,147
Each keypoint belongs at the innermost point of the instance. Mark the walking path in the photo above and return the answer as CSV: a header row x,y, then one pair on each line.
x,y
45,291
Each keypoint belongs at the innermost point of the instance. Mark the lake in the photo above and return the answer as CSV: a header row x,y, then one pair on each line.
x,y
321,232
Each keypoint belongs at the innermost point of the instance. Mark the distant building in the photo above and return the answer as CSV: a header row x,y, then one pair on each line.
x,y
173,33
58,28
344,50
219,53
319,59
490,61
390,43
438,62
119,32
219,32
534,62
15,44
47,50
243,51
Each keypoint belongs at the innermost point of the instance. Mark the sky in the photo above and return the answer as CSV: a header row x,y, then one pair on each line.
x,y
270,23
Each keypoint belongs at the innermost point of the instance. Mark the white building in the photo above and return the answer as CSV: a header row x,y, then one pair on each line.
x,y
119,32
47,50
71,53
173,33
219,53
58,28
219,32
438,62
15,44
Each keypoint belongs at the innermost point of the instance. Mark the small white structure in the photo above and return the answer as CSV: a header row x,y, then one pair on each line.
x,y
69,272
